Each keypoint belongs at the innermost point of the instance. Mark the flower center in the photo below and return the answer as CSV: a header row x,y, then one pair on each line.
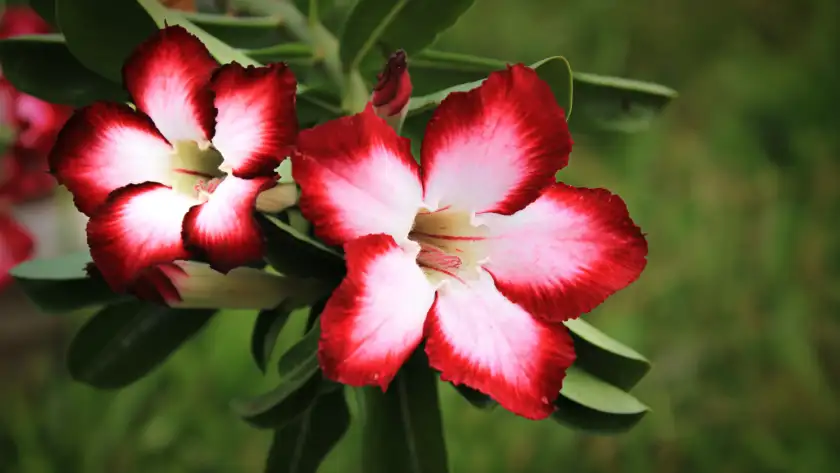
x,y
451,245
195,169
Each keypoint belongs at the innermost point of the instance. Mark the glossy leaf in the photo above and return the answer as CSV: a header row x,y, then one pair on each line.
x,y
299,383
402,429
602,103
103,34
605,357
125,341
292,253
42,66
267,328
590,404
378,27
301,446
554,70
615,104
61,284
241,31
293,53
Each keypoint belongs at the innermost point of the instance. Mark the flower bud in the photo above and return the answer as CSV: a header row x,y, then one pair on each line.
x,y
393,90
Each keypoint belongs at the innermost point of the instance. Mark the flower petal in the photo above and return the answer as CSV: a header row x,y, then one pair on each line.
x,y
168,76
494,148
21,20
16,246
137,228
357,177
223,230
476,337
374,320
566,253
256,126
105,146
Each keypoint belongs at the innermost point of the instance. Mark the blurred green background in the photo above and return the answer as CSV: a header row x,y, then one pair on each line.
x,y
736,186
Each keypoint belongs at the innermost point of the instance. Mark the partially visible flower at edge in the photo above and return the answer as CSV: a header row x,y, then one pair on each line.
x,y
177,178
16,244
32,125
477,251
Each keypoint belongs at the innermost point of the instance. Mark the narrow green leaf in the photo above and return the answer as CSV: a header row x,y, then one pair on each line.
x,y
592,405
124,342
602,103
367,22
267,328
292,253
61,284
241,31
376,28
403,430
42,66
294,53
605,357
554,70
615,104
299,384
301,446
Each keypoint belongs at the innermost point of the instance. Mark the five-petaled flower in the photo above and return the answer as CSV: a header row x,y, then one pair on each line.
x,y
477,250
177,178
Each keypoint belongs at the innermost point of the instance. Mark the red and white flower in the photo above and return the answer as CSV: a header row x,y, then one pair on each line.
x,y
477,250
33,123
177,178
16,244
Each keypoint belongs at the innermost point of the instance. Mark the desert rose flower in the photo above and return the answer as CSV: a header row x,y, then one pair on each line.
x,y
177,178
477,250
31,123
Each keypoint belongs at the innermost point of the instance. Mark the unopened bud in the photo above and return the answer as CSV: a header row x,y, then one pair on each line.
x,y
393,90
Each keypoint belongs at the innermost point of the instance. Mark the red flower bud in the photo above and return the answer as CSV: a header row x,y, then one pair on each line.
x,y
393,89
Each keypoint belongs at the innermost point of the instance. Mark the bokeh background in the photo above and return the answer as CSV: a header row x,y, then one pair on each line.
x,y
737,185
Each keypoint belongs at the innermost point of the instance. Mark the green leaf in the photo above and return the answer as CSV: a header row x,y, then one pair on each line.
x,y
301,446
61,284
605,357
267,328
103,34
602,103
378,27
292,253
42,66
614,104
293,53
241,31
402,429
124,342
300,380
554,70
592,405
